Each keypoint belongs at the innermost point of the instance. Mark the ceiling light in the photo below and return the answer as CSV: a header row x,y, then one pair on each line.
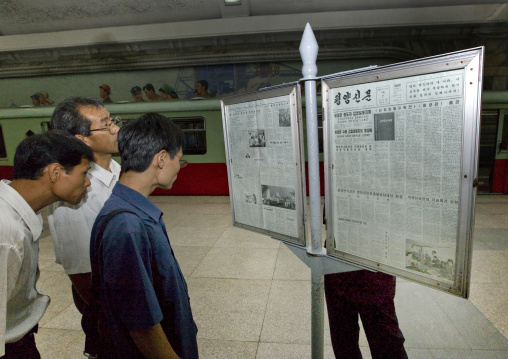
x,y
232,2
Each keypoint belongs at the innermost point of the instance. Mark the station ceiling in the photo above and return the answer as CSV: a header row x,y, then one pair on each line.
x,y
19,17
55,37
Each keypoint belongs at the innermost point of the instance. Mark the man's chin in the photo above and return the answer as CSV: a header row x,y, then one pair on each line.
x,y
75,201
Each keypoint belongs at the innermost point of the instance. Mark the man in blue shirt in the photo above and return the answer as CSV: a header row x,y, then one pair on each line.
x,y
142,290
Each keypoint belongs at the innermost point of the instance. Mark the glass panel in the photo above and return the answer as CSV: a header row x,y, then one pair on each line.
x,y
195,134
45,126
320,132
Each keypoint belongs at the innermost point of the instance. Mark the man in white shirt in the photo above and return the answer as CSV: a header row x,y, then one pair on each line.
x,y
71,225
47,168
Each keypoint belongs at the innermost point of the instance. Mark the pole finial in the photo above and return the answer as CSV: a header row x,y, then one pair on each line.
x,y
308,51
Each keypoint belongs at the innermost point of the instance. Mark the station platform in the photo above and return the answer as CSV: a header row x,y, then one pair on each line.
x,y
250,294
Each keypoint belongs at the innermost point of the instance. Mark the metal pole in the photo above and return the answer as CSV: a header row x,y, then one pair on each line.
x,y
318,313
308,51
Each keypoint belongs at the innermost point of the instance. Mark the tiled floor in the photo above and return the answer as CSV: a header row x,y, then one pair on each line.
x,y
251,295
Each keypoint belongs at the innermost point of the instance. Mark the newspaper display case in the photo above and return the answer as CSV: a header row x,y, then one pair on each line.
x,y
401,149
263,140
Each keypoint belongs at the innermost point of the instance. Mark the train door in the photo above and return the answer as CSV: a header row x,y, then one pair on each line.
x,y
493,154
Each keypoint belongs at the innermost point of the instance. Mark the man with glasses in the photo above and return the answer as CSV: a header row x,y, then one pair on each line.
x,y
71,225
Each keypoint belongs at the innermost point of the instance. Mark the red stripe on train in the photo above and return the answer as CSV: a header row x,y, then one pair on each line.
x,y
196,179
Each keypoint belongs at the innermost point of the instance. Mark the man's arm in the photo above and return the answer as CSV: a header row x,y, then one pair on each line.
x,y
82,282
153,344
10,266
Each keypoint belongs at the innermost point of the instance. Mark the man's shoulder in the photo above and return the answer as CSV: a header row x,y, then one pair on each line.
x,y
125,213
13,229
124,229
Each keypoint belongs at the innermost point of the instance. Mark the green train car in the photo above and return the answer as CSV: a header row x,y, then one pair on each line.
x,y
201,121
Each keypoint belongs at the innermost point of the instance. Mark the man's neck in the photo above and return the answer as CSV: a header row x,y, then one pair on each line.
x,y
142,182
103,160
33,193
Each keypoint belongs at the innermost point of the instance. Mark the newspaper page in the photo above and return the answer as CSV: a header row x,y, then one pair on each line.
x,y
396,154
262,165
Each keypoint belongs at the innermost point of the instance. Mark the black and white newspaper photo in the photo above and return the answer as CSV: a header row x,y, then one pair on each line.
x,y
263,164
396,155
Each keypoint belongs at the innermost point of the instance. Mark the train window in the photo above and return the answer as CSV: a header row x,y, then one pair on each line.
x,y
194,130
45,126
3,152
503,143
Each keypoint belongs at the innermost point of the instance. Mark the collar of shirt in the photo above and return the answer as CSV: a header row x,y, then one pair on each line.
x,y
18,203
137,200
104,175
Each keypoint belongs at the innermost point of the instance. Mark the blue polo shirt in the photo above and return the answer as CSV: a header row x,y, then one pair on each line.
x,y
127,291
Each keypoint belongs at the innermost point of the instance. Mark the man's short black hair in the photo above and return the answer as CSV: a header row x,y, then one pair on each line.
x,y
149,87
67,116
36,152
139,140
203,83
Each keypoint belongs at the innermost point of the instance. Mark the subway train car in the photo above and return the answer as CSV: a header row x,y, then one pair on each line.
x,y
201,121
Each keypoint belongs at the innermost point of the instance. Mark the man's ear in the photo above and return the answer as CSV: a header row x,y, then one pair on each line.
x,y
161,158
82,138
54,171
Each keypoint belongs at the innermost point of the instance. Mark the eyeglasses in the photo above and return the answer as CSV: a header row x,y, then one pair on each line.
x,y
183,163
117,121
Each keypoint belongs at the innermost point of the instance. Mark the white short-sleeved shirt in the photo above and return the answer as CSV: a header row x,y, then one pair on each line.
x,y
21,304
71,225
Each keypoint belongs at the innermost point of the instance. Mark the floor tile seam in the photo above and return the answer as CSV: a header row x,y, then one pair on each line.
x,y
212,212
450,319
50,316
231,340
60,328
196,267
187,246
293,343
214,308
499,281
208,213
489,246
487,317
275,266
218,237
266,306
236,279
51,270
242,278
468,350
248,249
54,328
261,247
409,346
489,320
214,226
291,280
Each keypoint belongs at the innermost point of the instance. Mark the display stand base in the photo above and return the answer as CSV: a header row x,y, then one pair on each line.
x,y
319,265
